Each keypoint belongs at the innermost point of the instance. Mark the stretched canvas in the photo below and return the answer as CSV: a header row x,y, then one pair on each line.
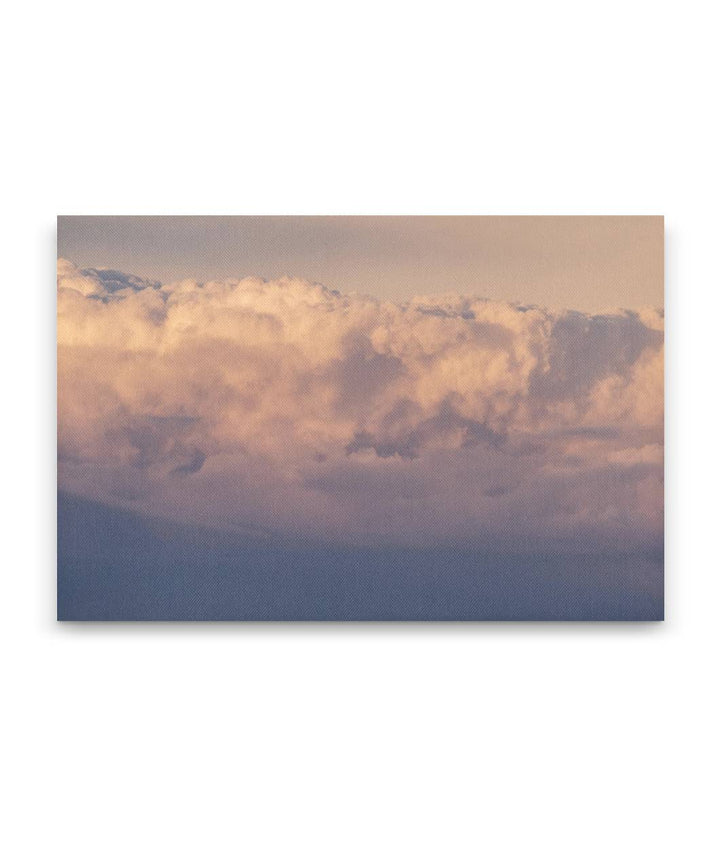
x,y
360,418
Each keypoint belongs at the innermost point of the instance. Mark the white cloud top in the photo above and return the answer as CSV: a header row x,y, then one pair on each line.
x,y
285,406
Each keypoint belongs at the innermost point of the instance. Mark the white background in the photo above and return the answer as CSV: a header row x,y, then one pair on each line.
x,y
359,739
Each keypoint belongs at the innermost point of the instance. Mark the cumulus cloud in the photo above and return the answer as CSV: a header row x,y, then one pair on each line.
x,y
290,407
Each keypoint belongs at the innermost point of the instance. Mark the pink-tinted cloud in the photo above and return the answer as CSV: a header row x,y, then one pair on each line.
x,y
287,406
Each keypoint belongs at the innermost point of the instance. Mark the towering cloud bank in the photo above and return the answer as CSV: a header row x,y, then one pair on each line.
x,y
288,407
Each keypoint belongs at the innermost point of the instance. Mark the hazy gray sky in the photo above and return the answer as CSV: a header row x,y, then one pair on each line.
x,y
588,263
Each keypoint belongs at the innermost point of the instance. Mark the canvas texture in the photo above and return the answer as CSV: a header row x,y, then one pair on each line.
x,y
360,418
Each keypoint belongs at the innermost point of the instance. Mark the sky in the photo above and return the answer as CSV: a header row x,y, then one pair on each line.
x,y
587,263
291,415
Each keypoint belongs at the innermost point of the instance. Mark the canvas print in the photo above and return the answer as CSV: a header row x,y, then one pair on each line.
x,y
360,418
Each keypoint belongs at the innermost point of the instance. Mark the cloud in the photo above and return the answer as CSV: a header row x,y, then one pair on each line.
x,y
293,407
